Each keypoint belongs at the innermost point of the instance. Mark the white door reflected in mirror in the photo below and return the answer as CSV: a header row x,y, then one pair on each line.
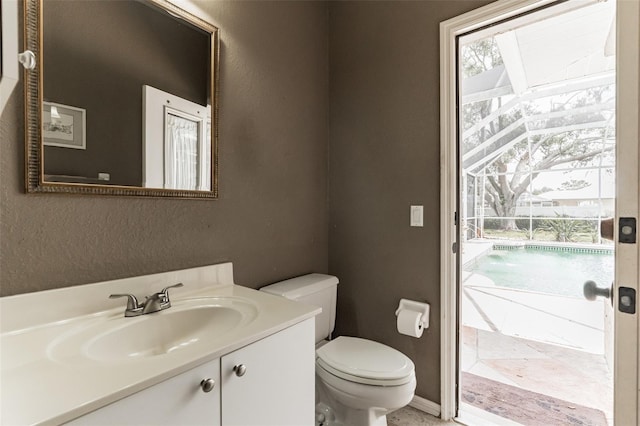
x,y
176,142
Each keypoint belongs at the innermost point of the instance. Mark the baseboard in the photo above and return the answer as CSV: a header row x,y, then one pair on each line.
x,y
425,405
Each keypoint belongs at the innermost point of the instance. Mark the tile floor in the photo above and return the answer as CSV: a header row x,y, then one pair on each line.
x,y
409,416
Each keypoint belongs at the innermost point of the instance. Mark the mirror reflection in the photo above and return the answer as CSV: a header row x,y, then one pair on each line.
x,y
127,97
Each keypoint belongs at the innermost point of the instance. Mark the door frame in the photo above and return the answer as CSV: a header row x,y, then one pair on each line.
x,y
10,72
626,393
626,326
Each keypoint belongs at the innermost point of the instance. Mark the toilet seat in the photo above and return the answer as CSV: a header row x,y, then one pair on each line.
x,y
364,361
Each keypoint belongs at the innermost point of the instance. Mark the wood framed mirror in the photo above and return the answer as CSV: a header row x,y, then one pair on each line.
x,y
123,99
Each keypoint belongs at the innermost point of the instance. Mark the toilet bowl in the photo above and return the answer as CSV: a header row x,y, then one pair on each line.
x,y
358,381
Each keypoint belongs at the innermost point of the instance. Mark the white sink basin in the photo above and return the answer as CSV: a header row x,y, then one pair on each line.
x,y
186,325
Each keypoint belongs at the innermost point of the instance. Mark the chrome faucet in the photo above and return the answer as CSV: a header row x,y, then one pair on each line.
x,y
154,303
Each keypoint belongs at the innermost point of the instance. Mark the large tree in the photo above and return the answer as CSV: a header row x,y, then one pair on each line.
x,y
567,141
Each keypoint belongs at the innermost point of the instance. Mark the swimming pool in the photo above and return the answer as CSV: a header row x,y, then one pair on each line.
x,y
555,272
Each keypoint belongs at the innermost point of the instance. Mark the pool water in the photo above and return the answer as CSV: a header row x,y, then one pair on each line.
x,y
562,273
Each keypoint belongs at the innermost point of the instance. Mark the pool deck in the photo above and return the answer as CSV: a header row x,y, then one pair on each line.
x,y
474,250
567,321
544,343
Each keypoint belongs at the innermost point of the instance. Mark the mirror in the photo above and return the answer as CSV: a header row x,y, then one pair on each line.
x,y
122,101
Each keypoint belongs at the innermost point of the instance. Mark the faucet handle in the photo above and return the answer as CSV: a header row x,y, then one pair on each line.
x,y
164,294
164,290
132,302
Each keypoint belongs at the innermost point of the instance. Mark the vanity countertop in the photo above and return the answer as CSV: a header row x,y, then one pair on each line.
x,y
39,385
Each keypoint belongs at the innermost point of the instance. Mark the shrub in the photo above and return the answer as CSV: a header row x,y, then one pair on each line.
x,y
566,229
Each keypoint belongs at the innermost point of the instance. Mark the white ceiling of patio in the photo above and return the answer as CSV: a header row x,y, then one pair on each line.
x,y
566,47
543,60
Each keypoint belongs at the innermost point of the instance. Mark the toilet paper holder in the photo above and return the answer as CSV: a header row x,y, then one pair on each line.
x,y
420,307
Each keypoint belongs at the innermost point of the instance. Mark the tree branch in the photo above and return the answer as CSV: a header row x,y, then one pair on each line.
x,y
550,162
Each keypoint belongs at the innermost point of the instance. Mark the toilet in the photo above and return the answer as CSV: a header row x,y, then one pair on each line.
x,y
358,381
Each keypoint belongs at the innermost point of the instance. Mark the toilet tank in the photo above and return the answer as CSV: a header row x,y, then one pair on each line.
x,y
313,289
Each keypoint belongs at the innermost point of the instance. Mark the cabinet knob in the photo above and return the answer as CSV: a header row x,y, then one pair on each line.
x,y
240,370
207,385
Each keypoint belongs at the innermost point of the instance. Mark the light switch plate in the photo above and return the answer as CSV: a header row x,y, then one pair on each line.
x,y
417,213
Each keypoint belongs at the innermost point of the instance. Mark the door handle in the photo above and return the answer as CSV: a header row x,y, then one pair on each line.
x,y
592,291
606,229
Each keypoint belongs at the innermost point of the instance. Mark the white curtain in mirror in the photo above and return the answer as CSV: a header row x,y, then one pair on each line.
x,y
182,169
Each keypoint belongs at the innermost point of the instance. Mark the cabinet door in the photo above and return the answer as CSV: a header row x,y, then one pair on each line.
x,y
176,401
277,387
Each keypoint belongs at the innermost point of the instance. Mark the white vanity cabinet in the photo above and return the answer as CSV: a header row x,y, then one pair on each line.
x,y
94,366
276,386
268,382
179,400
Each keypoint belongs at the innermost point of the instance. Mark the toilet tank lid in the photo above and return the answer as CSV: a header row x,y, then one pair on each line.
x,y
304,285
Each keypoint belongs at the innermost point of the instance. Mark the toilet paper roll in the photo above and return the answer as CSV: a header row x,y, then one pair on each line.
x,y
410,323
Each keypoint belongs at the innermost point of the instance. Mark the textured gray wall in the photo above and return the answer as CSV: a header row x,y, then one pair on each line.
x,y
385,156
271,219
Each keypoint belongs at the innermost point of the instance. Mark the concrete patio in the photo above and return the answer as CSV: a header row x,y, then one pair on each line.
x,y
543,343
